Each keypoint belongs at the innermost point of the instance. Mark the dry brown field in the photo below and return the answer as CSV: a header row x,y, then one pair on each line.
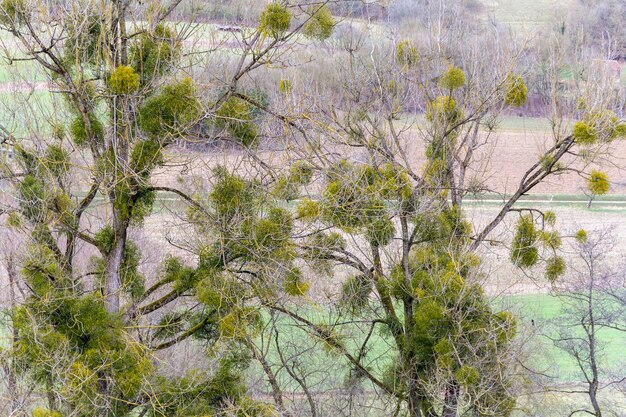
x,y
502,163
499,166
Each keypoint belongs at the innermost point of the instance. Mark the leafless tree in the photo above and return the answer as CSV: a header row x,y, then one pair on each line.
x,y
592,297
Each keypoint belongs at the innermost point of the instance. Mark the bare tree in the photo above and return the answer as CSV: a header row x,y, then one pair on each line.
x,y
592,298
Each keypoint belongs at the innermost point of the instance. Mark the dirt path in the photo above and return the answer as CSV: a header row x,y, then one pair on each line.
x,y
23,86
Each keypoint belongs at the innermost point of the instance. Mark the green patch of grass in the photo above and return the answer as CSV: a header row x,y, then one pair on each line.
x,y
504,124
523,124
525,12
28,111
325,367
606,203
545,311
20,71
328,368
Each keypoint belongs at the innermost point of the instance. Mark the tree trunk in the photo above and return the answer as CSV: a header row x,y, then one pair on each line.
x,y
591,337
52,406
593,392
103,389
114,261
10,368
277,393
414,399
450,406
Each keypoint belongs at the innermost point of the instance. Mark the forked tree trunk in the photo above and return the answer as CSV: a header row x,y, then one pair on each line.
x,y
114,261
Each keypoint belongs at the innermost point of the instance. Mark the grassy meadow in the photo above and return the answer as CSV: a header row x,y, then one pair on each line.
x,y
525,13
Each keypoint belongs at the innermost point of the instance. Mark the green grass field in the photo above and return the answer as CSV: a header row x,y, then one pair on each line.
x,y
546,310
526,13
545,357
